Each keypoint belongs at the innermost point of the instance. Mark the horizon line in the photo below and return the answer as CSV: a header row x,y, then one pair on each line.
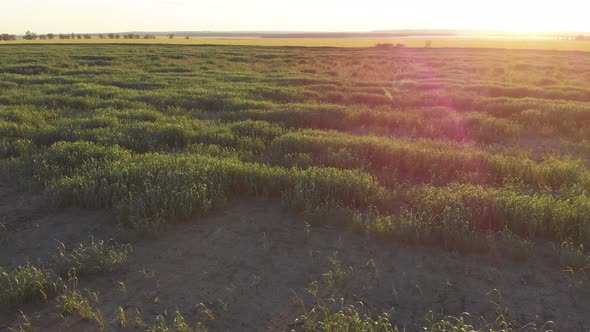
x,y
438,30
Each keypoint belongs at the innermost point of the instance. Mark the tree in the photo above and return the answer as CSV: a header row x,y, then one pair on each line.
x,y
87,36
30,35
50,36
111,36
7,37
171,36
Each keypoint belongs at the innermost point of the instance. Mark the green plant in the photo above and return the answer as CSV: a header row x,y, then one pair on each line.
x,y
178,324
72,303
338,276
446,155
96,257
347,318
25,326
27,283
518,248
573,257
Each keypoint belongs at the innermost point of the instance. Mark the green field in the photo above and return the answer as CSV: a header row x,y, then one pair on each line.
x,y
467,151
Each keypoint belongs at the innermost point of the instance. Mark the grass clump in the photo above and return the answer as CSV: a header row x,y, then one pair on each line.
x,y
73,303
327,313
177,324
574,258
347,318
171,323
350,318
26,284
96,257
31,283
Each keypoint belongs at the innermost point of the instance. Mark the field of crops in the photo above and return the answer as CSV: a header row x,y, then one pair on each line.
x,y
461,150
436,42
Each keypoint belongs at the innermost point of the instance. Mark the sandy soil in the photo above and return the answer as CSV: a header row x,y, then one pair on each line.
x,y
30,230
247,262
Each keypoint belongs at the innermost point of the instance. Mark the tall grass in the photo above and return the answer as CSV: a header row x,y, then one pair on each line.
x,y
154,188
425,160
437,146
30,282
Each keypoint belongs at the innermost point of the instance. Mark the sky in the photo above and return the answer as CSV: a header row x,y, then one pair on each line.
x,y
44,16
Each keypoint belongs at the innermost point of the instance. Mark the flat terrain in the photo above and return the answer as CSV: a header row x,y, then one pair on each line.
x,y
146,187
436,42
250,262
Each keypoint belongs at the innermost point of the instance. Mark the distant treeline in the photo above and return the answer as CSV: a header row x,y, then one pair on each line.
x,y
126,36
152,35
132,35
50,36
6,36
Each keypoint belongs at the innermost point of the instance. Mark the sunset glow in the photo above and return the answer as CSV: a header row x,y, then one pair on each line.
x,y
305,15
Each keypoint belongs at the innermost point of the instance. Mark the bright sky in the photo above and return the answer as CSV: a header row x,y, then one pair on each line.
x,y
43,16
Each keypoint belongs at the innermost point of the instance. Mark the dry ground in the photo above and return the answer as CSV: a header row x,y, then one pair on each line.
x,y
247,263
